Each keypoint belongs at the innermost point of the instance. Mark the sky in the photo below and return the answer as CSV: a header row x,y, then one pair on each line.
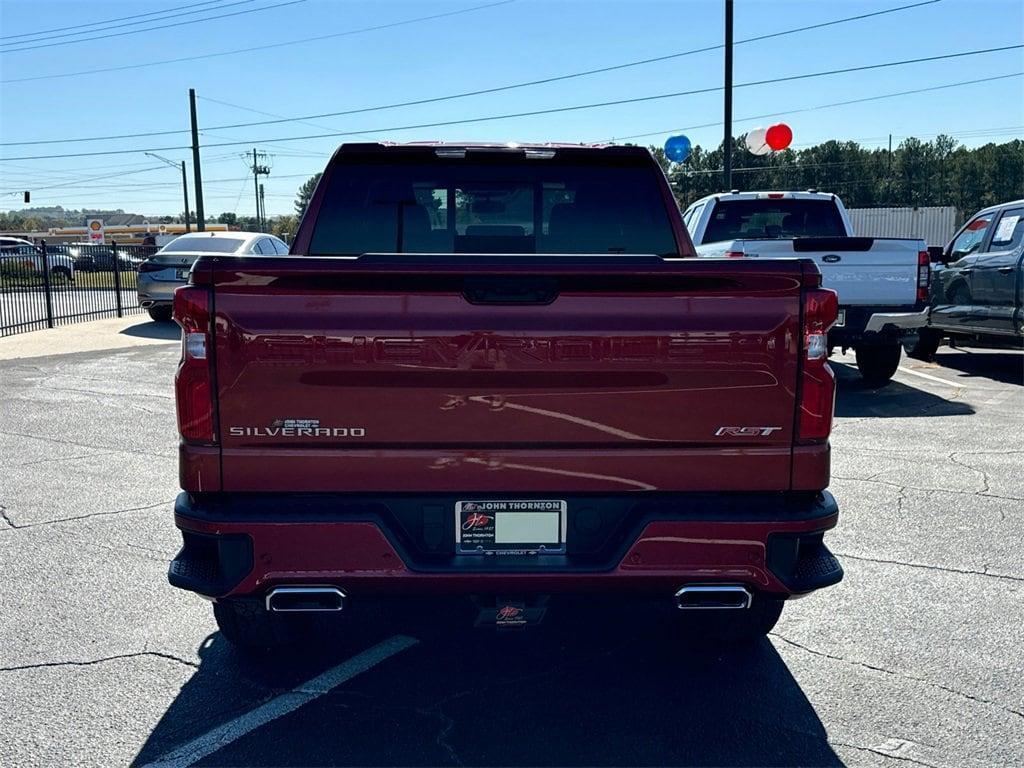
x,y
468,45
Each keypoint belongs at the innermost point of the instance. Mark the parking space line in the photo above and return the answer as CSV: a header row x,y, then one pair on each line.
x,y
929,377
205,745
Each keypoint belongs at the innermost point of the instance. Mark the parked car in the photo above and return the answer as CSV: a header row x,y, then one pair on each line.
x,y
977,291
99,258
168,269
511,385
882,282
18,254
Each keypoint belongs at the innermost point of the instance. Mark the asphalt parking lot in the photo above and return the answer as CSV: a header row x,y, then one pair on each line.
x,y
916,658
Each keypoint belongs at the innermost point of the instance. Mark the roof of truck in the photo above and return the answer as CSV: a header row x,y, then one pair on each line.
x,y
490,144
810,194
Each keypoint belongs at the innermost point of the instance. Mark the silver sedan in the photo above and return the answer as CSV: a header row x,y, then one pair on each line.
x,y
168,269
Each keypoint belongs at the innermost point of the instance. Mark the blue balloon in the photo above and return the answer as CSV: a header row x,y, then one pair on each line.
x,y
677,148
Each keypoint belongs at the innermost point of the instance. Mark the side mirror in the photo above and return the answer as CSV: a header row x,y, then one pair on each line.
x,y
937,254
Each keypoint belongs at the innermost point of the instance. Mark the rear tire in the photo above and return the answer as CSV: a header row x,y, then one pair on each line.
x,y
731,627
247,624
161,314
927,344
878,363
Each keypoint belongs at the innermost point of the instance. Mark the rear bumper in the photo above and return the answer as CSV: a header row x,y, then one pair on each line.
x,y
156,292
897,320
241,545
877,325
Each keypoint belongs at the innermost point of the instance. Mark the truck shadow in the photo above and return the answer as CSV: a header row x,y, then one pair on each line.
x,y
153,330
895,400
1006,367
588,688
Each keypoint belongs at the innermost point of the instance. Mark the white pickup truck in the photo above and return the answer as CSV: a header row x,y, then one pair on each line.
x,y
882,282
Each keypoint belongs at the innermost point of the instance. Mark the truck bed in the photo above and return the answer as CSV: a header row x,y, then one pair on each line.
x,y
864,271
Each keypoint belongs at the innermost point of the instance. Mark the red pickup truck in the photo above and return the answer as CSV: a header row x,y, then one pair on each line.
x,y
496,371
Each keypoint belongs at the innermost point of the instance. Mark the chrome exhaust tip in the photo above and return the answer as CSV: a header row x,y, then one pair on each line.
x,y
305,599
699,597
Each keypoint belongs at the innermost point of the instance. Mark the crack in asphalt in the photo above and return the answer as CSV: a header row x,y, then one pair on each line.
x,y
6,518
103,660
97,393
110,448
901,675
883,754
58,459
16,527
984,475
901,487
929,567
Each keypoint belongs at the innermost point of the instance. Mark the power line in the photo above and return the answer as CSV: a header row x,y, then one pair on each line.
x,y
146,185
158,27
573,75
261,112
533,113
820,106
107,21
74,182
466,94
254,48
85,31
634,100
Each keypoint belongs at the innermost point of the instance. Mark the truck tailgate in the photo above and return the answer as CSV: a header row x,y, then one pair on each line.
x,y
579,374
864,271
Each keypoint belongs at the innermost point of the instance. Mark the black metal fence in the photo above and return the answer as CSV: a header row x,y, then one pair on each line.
x,y
43,286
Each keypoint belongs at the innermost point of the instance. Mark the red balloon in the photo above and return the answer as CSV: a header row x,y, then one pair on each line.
x,y
779,136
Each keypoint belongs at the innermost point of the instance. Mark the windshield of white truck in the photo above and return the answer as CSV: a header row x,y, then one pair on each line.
x,y
439,205
773,219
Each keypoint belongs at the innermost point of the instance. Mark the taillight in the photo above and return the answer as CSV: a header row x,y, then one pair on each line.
x,y
817,382
152,266
924,275
193,382
733,254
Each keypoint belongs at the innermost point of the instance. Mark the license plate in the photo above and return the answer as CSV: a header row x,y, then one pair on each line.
x,y
183,274
841,320
510,527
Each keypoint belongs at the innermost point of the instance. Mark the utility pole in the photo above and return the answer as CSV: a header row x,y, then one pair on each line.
x,y
197,172
184,189
263,207
888,181
184,183
257,171
727,145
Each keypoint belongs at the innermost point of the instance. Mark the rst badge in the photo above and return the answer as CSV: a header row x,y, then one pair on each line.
x,y
745,431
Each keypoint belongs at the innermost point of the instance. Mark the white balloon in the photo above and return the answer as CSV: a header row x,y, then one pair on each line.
x,y
756,142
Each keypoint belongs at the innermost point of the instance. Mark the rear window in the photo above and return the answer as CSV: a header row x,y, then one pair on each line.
x,y
203,243
773,219
495,204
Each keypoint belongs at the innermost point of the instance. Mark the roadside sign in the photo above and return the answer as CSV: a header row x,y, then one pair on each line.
x,y
95,227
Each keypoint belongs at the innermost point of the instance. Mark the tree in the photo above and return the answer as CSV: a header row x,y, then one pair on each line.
x,y
283,225
305,193
922,173
230,219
